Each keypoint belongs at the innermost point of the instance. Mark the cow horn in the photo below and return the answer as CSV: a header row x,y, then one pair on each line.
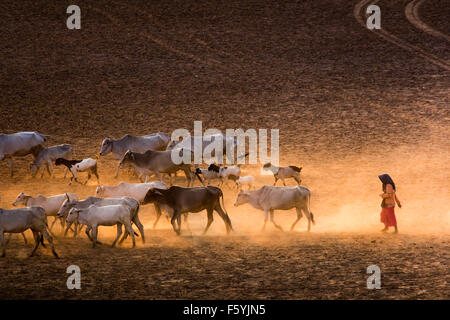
x,y
67,197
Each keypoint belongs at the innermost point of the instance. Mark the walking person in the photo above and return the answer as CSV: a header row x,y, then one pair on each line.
x,y
388,204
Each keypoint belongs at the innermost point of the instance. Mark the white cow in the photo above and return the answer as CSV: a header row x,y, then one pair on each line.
x,y
269,199
20,220
133,204
132,190
20,144
246,181
94,216
51,204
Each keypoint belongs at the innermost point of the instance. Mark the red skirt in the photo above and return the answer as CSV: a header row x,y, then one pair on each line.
x,y
388,217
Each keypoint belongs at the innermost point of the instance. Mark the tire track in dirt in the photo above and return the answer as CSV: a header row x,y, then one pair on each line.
x,y
189,37
412,14
165,45
397,41
186,36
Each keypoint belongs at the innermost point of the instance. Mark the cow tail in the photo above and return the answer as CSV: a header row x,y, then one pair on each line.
x,y
226,213
309,208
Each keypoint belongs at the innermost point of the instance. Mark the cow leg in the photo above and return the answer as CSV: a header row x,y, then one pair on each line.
x,y
158,176
94,235
79,228
65,172
266,216
158,215
95,172
139,225
69,224
8,239
298,180
172,221
37,240
224,217
24,238
276,179
2,241
124,237
309,216
47,166
130,230
119,233
284,182
43,170
299,215
187,223
88,232
88,177
273,221
62,222
188,175
209,212
50,241
54,220
117,171
11,168
50,168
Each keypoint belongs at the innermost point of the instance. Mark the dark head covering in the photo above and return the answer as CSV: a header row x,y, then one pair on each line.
x,y
386,179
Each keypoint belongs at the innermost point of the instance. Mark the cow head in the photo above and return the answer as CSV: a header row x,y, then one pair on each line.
x,y
242,198
127,157
152,196
65,207
21,199
73,215
59,161
100,191
106,146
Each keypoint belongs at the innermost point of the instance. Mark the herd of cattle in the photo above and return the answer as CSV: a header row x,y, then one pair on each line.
x,y
120,204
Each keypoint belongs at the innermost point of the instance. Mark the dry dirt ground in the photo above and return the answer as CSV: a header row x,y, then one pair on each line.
x,y
349,105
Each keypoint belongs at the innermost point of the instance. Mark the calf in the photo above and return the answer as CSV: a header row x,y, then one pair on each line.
x,y
88,165
284,172
95,216
246,180
49,154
